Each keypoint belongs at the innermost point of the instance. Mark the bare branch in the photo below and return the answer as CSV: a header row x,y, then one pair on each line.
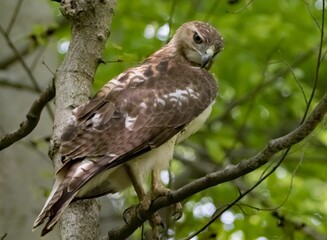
x,y
5,61
20,58
243,7
8,83
229,173
32,118
4,236
14,16
319,59
32,44
24,65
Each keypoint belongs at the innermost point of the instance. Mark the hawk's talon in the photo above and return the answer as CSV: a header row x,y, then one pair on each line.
x,y
127,215
160,190
163,225
177,207
178,211
155,221
130,212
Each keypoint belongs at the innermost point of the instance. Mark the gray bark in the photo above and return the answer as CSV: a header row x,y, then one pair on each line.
x,y
90,30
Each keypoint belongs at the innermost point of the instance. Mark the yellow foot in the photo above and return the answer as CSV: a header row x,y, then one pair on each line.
x,y
156,222
157,226
130,212
159,190
177,211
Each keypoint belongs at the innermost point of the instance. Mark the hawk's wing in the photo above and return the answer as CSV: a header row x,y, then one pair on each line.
x,y
139,110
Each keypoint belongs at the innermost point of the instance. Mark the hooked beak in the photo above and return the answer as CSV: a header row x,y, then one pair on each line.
x,y
207,56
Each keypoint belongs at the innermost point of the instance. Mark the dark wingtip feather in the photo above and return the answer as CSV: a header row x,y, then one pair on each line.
x,y
45,230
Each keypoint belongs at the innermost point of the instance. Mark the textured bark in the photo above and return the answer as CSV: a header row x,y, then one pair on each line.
x,y
90,30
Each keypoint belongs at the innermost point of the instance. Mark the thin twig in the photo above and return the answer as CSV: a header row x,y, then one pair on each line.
x,y
24,65
14,16
4,236
243,8
21,60
251,107
6,61
32,118
212,10
32,44
7,83
295,78
241,195
33,65
316,77
170,19
277,75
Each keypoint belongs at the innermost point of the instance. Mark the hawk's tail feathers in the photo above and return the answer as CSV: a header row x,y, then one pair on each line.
x,y
69,180
54,207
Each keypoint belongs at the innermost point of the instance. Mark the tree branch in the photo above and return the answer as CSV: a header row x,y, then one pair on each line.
x,y
229,173
32,118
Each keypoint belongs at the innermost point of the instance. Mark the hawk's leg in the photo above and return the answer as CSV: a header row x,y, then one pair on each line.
x,y
145,202
159,190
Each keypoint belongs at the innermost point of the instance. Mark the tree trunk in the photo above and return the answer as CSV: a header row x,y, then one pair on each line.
x,y
90,29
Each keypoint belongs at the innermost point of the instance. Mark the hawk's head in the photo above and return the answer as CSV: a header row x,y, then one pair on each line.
x,y
198,42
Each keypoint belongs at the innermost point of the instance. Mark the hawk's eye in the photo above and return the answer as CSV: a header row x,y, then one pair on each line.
x,y
197,38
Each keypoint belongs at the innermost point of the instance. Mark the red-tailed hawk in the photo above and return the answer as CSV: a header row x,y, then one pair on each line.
x,y
130,127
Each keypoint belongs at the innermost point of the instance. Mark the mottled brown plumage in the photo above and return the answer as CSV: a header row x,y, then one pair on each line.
x,y
136,119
